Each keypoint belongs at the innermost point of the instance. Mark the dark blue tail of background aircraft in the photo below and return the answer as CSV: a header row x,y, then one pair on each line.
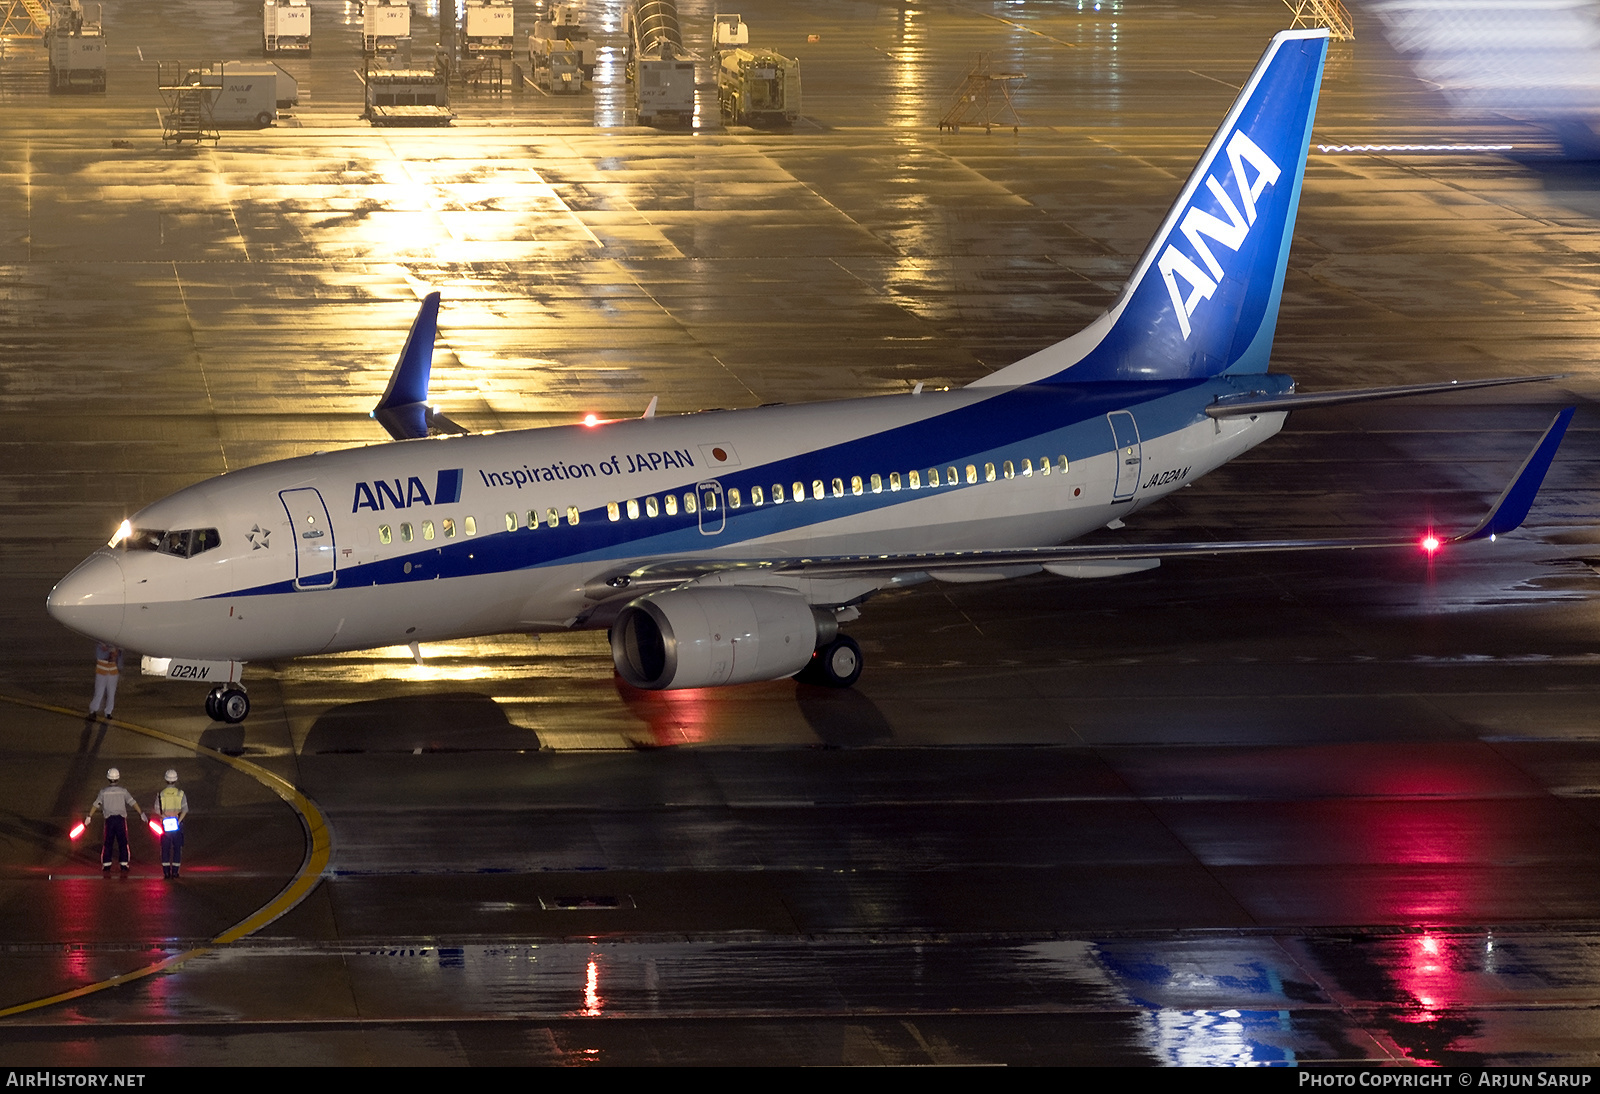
x,y
1203,299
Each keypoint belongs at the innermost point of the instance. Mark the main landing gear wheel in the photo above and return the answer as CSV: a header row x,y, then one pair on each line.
x,y
836,665
228,704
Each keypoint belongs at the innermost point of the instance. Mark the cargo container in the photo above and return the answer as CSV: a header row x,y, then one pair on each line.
x,y
489,27
77,45
385,25
245,93
285,26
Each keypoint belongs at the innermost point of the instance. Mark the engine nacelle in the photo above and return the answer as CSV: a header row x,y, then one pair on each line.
x,y
705,637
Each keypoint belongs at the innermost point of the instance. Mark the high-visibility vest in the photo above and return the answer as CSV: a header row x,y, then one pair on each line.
x,y
170,801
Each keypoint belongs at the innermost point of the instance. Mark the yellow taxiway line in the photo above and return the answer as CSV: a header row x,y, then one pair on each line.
x,y
319,850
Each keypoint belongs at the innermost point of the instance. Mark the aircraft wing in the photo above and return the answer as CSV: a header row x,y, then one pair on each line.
x,y
1083,560
1233,406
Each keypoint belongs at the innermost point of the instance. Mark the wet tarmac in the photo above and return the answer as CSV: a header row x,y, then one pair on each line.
x,y
1245,811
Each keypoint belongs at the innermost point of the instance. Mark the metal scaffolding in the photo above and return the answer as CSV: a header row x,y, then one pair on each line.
x,y
984,98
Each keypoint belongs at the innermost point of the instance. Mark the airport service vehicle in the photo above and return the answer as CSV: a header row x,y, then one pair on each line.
x,y
285,26
725,547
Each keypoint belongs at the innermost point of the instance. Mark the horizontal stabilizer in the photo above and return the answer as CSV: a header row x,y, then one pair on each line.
x,y
1236,406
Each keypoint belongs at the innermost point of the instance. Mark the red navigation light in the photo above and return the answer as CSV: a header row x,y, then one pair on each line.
x,y
1430,543
591,420
77,830
155,828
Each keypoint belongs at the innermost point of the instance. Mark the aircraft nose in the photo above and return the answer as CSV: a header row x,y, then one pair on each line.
x,y
90,599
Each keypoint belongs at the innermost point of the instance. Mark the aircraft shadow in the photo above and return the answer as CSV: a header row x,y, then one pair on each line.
x,y
450,722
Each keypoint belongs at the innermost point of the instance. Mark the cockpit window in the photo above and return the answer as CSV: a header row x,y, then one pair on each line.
x,y
184,543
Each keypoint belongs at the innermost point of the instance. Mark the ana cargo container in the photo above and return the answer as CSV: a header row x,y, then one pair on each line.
x,y
385,25
245,93
285,26
560,24
489,27
77,45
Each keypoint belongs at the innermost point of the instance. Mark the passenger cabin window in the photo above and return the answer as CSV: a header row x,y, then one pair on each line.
x,y
799,491
988,472
671,501
633,508
572,514
405,533
1027,469
613,511
755,496
688,502
877,484
427,529
552,518
914,480
777,493
838,488
385,536
951,478
1061,464
818,490
733,498
1010,470
894,480
449,526
972,473
933,477
470,526
651,508
855,485
511,523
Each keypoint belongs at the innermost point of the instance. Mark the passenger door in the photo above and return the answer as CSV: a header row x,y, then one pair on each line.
x,y
315,559
1129,453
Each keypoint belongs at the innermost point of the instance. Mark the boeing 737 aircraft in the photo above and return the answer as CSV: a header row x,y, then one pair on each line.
x,y
728,546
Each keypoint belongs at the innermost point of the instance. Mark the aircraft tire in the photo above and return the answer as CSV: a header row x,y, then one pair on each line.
x,y
836,665
213,711
233,706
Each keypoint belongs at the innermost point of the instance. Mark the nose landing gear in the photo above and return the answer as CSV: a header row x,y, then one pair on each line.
x,y
228,703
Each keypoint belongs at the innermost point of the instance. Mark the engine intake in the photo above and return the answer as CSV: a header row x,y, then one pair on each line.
x,y
706,637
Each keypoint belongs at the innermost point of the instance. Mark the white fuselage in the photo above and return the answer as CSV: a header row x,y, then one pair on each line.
x,y
442,538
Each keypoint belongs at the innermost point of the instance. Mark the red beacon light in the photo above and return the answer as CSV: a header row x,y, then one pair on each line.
x,y
1430,543
591,420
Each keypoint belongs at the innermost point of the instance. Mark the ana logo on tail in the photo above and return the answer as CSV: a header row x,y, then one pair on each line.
x,y
1198,225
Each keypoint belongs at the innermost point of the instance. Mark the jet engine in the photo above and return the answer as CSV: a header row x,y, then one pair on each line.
x,y
713,635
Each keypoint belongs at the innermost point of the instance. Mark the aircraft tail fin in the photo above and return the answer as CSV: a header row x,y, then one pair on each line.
x,y
1203,299
403,411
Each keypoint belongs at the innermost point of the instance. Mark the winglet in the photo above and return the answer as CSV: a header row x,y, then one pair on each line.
x,y
403,410
1507,514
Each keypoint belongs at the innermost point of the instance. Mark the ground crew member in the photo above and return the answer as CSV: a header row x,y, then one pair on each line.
x,y
107,666
114,802
172,805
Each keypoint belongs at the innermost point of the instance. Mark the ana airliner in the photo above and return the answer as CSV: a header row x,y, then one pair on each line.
x,y
728,546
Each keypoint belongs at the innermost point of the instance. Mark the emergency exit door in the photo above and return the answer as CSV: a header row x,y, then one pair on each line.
x,y
1129,453
315,560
